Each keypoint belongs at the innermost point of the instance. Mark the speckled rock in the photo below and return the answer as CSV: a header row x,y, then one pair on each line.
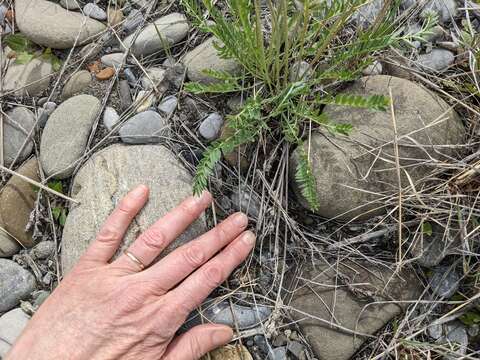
x,y
17,200
172,28
35,18
17,131
107,177
66,134
351,182
205,56
77,83
16,284
12,324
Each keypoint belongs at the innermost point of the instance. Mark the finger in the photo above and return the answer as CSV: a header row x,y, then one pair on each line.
x,y
192,291
156,238
175,267
116,225
198,341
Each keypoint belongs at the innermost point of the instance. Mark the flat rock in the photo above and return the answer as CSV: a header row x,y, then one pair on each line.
x,y
66,134
436,60
94,11
8,246
113,60
322,299
12,324
35,19
107,177
352,182
143,128
205,56
17,131
172,28
77,83
16,284
30,79
17,200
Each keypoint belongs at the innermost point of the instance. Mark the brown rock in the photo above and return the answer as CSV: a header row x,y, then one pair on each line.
x,y
229,352
114,16
105,74
17,201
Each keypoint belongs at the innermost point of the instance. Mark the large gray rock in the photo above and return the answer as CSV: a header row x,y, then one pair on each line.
x,y
50,25
146,127
107,177
17,201
353,182
18,134
205,56
16,284
323,299
30,79
66,134
12,324
172,28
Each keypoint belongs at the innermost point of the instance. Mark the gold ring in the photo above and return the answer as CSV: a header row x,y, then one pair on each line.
x,y
134,259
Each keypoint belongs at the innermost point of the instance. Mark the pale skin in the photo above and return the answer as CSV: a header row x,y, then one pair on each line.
x,y
107,309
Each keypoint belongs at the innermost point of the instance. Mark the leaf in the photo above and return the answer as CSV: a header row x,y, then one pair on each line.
x,y
427,229
470,318
49,56
19,43
59,214
373,102
219,88
63,217
306,180
56,212
23,57
56,185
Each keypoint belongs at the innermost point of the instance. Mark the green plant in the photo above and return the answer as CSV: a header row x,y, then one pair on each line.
x,y
280,96
26,51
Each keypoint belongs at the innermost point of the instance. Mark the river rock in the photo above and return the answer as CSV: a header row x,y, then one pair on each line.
x,y
348,185
229,352
210,127
436,60
70,4
172,28
323,299
12,324
107,177
95,12
17,128
114,16
66,134
205,56
16,284
143,128
17,201
30,79
153,76
113,60
50,25
110,118
77,83
133,20
168,105
44,112
8,245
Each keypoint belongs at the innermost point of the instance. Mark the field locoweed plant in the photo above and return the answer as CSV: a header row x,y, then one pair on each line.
x,y
293,56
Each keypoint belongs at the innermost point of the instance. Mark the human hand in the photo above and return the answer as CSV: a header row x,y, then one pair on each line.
x,y
115,310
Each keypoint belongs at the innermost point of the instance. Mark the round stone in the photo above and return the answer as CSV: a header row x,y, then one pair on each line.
x,y
17,135
77,83
16,284
143,128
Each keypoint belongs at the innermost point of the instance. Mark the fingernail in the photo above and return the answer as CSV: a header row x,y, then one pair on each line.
x,y
240,219
139,191
249,238
204,199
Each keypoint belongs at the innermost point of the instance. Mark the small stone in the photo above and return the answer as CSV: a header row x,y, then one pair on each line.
x,y
39,297
114,16
235,104
165,31
229,352
124,94
133,21
279,340
296,349
44,112
95,12
43,250
18,125
110,118
153,78
301,71
456,338
16,284
375,68
144,100
70,4
47,279
113,60
444,282
436,60
168,105
105,74
35,19
17,200
132,79
65,136
94,67
77,83
144,128
279,353
12,324
210,127
435,331
8,245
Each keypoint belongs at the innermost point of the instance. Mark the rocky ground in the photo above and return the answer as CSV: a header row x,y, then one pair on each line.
x,y
387,268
